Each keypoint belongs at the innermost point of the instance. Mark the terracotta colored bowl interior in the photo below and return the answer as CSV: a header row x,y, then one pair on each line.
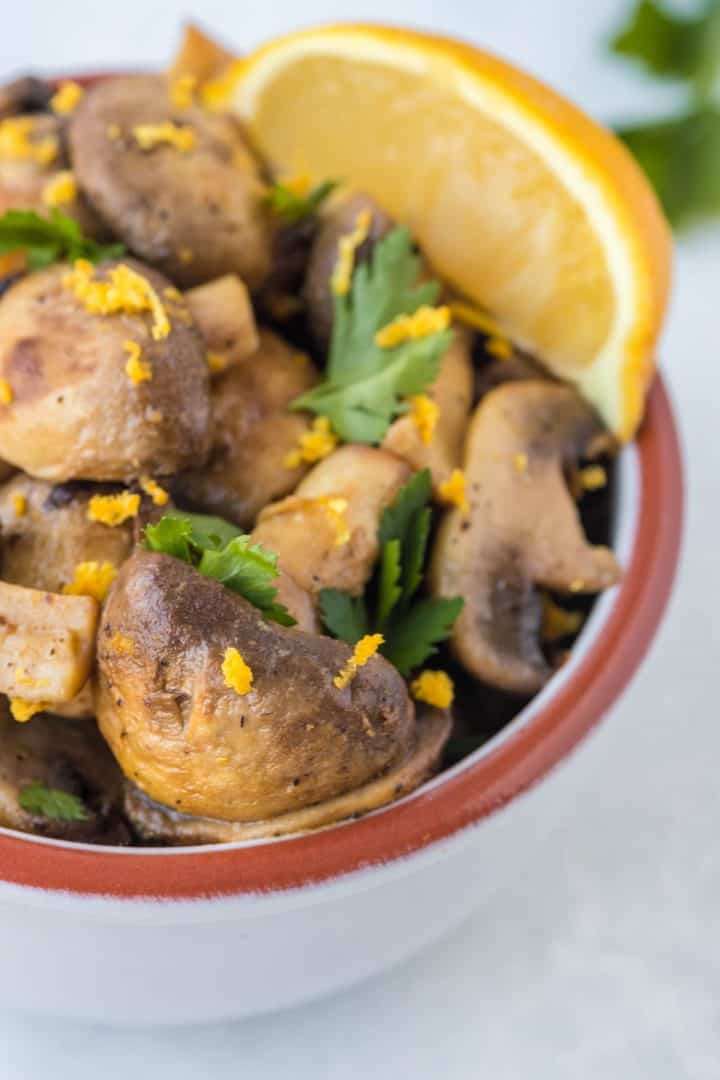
x,y
519,757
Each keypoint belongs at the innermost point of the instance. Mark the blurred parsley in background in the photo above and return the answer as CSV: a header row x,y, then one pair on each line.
x,y
680,154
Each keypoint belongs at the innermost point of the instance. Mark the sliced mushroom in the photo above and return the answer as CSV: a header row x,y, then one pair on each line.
x,y
195,213
521,529
47,643
64,755
340,220
253,433
452,394
326,533
75,412
224,316
186,738
155,823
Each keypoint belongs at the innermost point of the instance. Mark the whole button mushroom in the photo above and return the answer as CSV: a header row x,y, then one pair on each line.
x,y
178,185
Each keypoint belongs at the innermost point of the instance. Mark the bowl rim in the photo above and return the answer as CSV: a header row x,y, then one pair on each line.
x,y
464,797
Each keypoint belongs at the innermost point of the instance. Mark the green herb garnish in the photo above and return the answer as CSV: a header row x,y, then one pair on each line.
x,y
412,627
36,798
681,153
221,551
290,206
365,384
46,240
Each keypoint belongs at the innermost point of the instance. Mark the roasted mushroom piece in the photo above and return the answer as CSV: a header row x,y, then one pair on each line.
x,y
521,529
63,755
187,735
101,396
253,434
177,184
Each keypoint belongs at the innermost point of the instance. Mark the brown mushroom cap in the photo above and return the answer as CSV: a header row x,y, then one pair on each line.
x,y
75,413
253,433
521,530
196,214
190,741
69,755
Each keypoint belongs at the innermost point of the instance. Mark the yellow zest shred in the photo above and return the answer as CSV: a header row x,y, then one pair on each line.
x,y
520,461
136,369
113,510
124,290
23,679
60,190
91,579
151,487
19,503
148,136
16,141
182,91
578,585
237,674
475,318
558,622
366,647
122,644
452,490
217,362
315,444
341,278
23,710
336,509
499,347
424,413
6,394
66,98
592,478
434,688
299,184
426,320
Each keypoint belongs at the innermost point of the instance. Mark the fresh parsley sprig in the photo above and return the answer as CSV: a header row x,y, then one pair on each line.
x,y
46,240
365,384
221,551
680,154
412,627
291,206
37,798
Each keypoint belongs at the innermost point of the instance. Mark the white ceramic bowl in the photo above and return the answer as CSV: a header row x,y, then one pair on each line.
x,y
196,934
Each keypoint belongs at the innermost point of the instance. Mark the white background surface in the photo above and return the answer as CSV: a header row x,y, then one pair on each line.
x,y
603,959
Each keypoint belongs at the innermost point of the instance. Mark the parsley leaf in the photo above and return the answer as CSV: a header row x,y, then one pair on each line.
x,y
673,46
292,207
49,239
36,798
221,551
365,384
412,628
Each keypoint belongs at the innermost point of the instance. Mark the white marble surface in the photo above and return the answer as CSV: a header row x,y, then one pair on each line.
x,y
603,959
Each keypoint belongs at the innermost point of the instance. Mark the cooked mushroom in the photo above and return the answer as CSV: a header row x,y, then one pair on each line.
x,y
339,221
79,406
193,739
326,533
438,446
224,316
521,529
46,533
47,644
26,94
63,755
25,172
6,471
253,433
195,210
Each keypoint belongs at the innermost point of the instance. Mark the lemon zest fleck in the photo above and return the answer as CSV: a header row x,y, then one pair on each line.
x,y
22,678
217,362
124,290
136,369
61,189
452,490
520,461
66,98
435,688
148,136
336,508
499,347
558,622
424,413
6,394
122,644
91,579
315,444
366,647
16,141
113,510
23,710
474,317
151,487
577,585
237,673
592,478
426,320
182,91
19,503
341,277
113,131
